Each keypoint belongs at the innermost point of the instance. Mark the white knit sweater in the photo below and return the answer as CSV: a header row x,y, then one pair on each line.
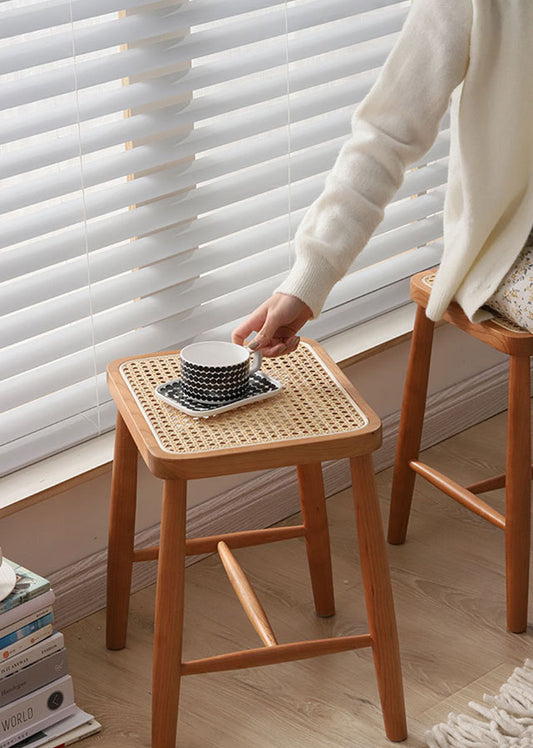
x,y
482,51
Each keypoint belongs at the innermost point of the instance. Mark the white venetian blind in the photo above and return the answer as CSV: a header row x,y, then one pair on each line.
x,y
155,162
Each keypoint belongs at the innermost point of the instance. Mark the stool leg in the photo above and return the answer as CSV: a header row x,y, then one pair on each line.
x,y
121,536
169,615
315,520
411,423
378,597
518,493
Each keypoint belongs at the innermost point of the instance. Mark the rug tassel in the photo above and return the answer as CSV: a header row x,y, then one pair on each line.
x,y
508,718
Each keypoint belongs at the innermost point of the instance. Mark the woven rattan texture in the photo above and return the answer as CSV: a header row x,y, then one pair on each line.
x,y
311,404
508,325
429,278
496,320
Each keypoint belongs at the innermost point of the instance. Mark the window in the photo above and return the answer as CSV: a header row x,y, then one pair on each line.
x,y
155,162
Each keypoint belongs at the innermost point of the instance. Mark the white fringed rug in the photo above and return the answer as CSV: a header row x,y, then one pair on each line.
x,y
504,721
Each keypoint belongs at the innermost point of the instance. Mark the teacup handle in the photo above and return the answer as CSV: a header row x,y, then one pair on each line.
x,y
256,362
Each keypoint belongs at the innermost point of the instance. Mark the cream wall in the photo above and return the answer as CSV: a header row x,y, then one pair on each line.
x,y
73,525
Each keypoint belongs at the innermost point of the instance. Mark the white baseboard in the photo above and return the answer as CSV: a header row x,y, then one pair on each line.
x,y
262,501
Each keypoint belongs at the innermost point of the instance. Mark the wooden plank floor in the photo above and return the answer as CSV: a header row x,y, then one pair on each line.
x,y
448,582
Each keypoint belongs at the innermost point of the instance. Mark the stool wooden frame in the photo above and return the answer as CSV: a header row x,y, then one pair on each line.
x,y
135,435
518,345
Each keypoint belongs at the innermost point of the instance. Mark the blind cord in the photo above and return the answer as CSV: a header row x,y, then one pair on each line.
x,y
85,232
289,138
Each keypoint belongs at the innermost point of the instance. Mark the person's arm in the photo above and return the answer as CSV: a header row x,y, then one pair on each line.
x,y
394,126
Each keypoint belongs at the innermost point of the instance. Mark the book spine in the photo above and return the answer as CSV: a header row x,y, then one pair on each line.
x,y
27,630
68,730
33,677
35,652
25,620
25,609
28,586
15,741
31,710
28,641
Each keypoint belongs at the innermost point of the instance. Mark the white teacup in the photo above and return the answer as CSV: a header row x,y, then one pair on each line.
x,y
216,371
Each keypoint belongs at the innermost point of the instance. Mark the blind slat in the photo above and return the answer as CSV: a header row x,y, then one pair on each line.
x,y
49,315
168,88
52,13
156,154
417,181
69,277
87,207
64,278
60,45
344,94
102,267
67,79
117,65
53,377
192,289
95,102
46,15
143,24
118,320
110,230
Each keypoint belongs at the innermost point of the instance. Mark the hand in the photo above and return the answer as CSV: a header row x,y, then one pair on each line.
x,y
277,321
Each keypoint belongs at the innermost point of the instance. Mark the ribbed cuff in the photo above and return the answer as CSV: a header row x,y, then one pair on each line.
x,y
310,281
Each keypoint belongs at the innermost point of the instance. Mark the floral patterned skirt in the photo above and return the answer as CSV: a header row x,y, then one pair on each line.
x,y
513,298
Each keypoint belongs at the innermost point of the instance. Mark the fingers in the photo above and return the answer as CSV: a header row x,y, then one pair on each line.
x,y
293,344
277,321
281,348
270,334
254,322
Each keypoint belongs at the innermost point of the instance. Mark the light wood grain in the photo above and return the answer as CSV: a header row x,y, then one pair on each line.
x,y
248,599
516,520
450,605
515,343
313,503
169,609
518,494
461,494
378,597
411,424
121,535
276,654
241,539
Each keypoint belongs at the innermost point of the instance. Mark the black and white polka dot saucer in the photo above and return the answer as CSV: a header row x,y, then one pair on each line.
x,y
260,386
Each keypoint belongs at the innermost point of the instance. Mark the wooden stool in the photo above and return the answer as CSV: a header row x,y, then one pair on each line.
x,y
317,416
506,337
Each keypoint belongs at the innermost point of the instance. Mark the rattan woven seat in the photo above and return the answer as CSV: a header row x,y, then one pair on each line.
x,y
317,416
498,332
517,343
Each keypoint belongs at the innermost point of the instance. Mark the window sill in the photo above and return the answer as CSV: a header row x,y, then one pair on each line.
x,y
68,469
370,338
56,474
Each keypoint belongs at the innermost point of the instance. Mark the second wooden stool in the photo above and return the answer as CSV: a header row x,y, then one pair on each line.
x,y
518,345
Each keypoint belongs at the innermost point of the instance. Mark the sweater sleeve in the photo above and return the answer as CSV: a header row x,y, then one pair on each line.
x,y
394,126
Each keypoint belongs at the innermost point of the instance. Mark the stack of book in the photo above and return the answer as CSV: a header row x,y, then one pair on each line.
x,y
37,706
